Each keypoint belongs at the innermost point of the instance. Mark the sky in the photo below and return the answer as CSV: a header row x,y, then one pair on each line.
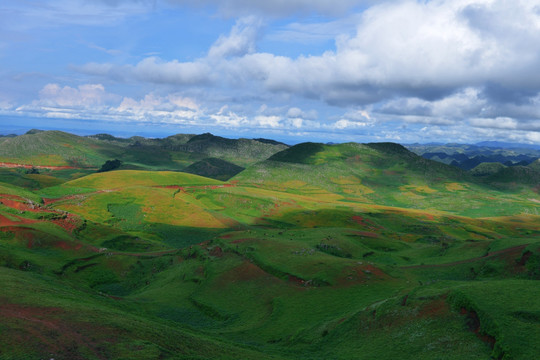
x,y
292,70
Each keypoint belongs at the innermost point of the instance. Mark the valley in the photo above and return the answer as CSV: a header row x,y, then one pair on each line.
x,y
201,247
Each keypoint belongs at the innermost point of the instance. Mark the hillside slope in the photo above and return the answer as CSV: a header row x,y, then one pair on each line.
x,y
380,173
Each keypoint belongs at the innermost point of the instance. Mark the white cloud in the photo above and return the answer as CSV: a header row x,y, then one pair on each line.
x,y
153,69
227,118
423,50
82,96
467,64
268,121
295,112
240,41
497,123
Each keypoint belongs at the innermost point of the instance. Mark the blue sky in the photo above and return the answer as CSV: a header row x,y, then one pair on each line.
x,y
293,70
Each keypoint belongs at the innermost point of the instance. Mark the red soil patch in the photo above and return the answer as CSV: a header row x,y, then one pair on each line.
x,y
366,234
216,252
429,217
473,322
238,241
364,222
67,245
48,201
18,203
246,271
196,187
296,280
69,223
524,258
152,254
26,166
4,221
359,220
360,274
51,331
433,308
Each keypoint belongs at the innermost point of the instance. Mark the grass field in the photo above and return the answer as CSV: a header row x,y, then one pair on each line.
x,y
323,252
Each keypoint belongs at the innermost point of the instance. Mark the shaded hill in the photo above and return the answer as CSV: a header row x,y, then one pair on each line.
x,y
487,168
516,175
214,168
239,151
198,147
535,165
301,153
77,156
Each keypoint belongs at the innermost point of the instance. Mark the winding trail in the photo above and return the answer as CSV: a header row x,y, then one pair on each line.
x,y
27,166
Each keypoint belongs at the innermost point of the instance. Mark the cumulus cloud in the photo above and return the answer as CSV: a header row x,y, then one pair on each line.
x,y
90,101
424,50
83,96
240,41
169,109
153,70
446,63
297,113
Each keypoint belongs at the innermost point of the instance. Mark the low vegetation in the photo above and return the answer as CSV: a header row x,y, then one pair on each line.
x,y
319,251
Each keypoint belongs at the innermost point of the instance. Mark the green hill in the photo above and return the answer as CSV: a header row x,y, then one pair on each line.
x,y
59,156
517,175
318,252
535,165
485,169
54,148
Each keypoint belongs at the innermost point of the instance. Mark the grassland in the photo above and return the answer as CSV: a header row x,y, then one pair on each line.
x,y
320,252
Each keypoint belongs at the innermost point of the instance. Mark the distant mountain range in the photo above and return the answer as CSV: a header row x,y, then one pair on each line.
x,y
468,157
205,154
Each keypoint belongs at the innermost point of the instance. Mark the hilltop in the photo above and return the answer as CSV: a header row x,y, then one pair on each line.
x,y
385,174
72,156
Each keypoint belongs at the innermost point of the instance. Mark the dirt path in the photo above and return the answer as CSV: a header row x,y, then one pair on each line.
x,y
516,249
27,166
196,187
153,254
47,201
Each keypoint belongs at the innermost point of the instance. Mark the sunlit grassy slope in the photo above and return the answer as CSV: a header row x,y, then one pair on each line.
x,y
388,174
210,155
322,252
